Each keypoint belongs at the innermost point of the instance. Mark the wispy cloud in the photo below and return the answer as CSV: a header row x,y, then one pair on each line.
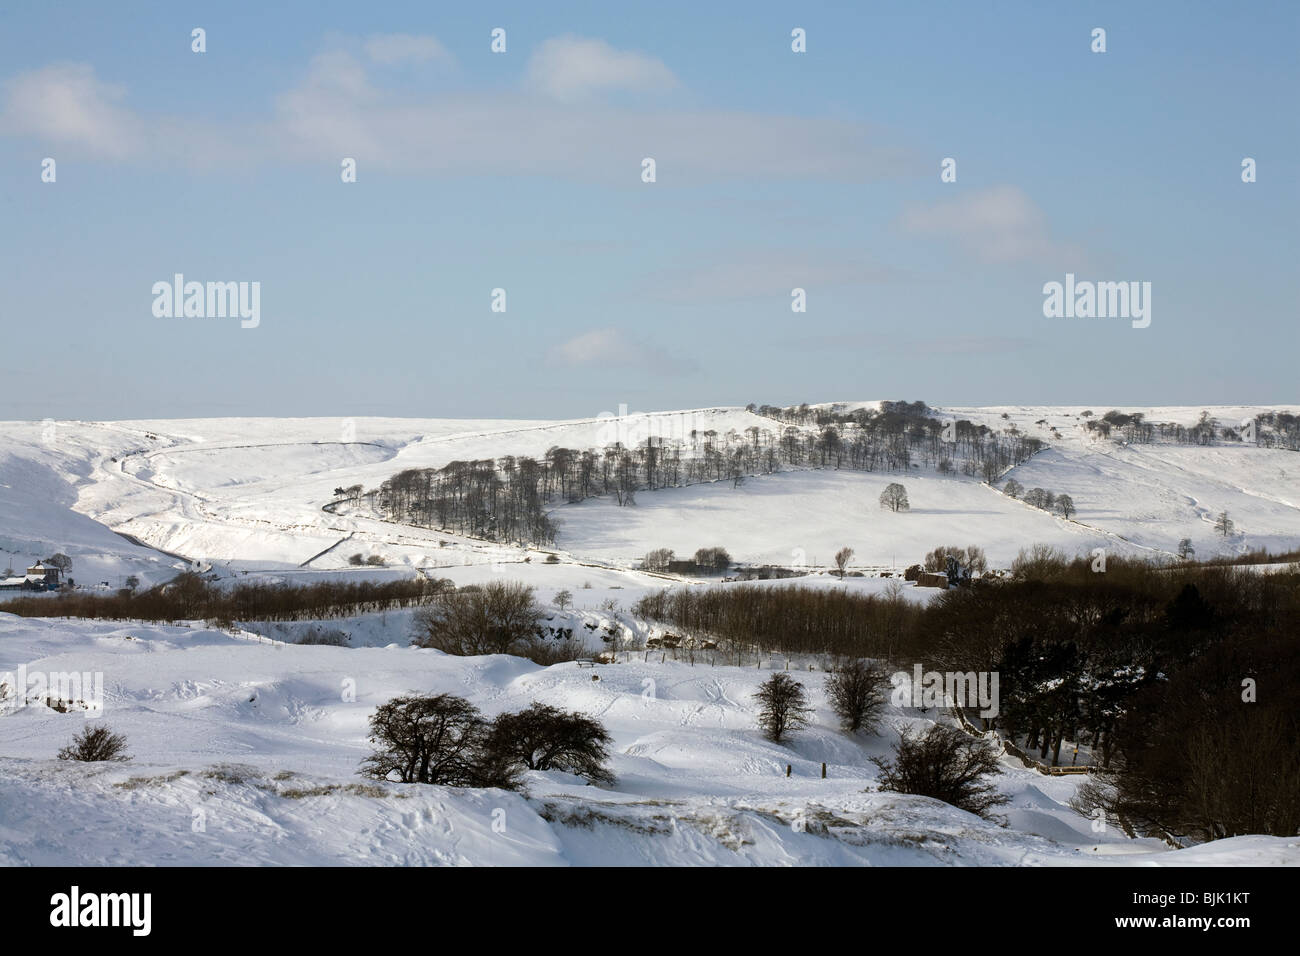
x,y
997,225
614,348
338,110
573,68
67,104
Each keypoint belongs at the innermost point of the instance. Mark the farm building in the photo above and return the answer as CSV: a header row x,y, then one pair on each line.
x,y
39,577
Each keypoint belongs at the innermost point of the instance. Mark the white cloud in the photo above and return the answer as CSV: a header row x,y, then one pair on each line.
x,y
337,110
996,225
391,48
574,68
511,134
613,348
66,104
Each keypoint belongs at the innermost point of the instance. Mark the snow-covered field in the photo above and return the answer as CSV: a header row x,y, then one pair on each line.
x,y
244,752
245,748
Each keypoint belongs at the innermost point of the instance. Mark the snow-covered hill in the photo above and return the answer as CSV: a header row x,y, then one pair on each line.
x,y
256,738
249,493
245,752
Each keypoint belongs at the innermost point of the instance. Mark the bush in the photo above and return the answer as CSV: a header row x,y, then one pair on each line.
x,y
946,764
547,738
95,744
436,740
444,740
500,617
784,706
857,692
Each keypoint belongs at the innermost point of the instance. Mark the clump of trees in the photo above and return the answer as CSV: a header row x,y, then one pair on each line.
x,y
507,499
704,561
495,618
500,617
972,558
712,559
658,560
1212,751
946,764
95,744
783,703
1145,666
444,739
858,690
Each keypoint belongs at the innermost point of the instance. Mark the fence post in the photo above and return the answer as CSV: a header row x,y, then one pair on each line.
x,y
823,769
787,770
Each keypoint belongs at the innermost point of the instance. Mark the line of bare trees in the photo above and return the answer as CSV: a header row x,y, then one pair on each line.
x,y
508,499
189,597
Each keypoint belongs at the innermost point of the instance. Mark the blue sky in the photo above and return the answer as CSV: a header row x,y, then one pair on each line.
x,y
522,171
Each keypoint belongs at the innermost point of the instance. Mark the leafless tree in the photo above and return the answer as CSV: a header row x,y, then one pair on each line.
x,y
894,497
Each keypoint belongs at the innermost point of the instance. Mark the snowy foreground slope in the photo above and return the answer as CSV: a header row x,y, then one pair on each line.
x,y
244,752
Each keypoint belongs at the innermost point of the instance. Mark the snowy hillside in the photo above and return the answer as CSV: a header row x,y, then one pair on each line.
x,y
257,743
245,746
249,493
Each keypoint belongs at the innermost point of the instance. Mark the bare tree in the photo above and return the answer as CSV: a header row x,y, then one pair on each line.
x,y
658,560
946,764
894,497
547,738
1224,524
1066,505
1185,549
857,692
842,558
426,740
784,705
562,599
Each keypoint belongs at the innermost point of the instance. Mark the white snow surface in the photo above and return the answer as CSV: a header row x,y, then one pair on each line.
x,y
253,737
245,752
